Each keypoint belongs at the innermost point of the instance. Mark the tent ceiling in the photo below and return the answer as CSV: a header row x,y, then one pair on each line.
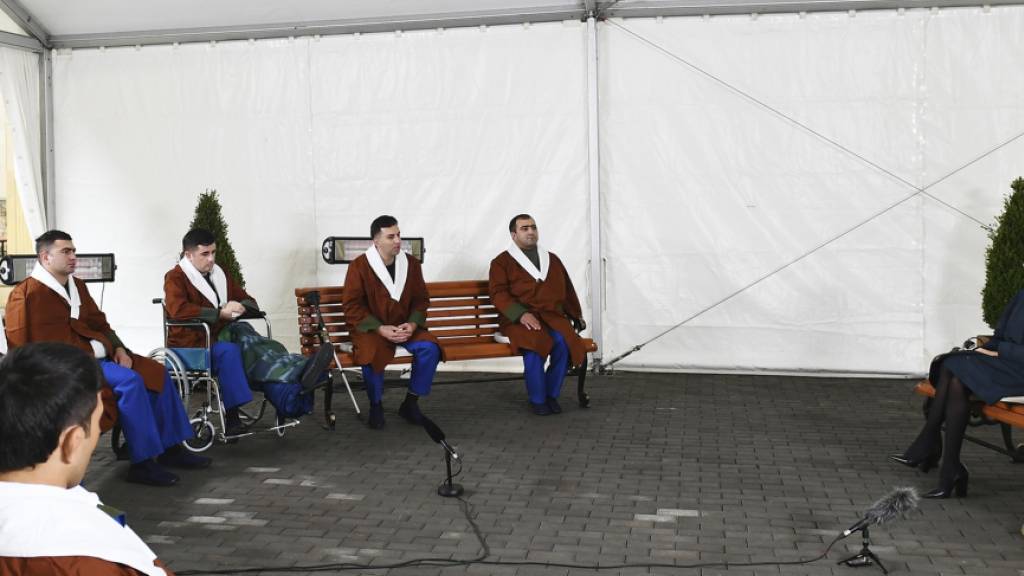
x,y
125,22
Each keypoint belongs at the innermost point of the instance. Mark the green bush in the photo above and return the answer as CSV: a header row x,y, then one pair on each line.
x,y
208,215
1004,259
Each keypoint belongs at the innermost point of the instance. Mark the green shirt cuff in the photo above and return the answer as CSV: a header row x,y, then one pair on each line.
x,y
419,319
209,315
115,342
514,311
369,324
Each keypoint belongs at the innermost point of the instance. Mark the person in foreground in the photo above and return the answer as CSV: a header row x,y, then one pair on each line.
x,y
539,311
50,411
385,300
54,306
990,372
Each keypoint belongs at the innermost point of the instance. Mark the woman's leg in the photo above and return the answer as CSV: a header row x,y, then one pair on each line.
x,y
927,441
958,411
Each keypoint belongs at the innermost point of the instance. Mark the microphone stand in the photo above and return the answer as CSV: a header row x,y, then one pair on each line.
x,y
449,489
865,557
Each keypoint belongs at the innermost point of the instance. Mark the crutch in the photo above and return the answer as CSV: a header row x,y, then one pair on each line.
x,y
313,299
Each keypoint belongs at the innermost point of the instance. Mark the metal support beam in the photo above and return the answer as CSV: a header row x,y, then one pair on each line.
x,y
594,162
22,17
19,42
46,139
565,11
653,8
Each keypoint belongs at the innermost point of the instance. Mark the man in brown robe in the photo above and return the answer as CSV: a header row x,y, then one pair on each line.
x,y
539,310
50,411
385,303
54,306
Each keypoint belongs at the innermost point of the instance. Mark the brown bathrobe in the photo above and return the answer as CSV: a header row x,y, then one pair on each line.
x,y
553,301
35,313
368,305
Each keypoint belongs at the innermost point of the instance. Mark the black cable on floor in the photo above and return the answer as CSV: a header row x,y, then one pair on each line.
x,y
485,551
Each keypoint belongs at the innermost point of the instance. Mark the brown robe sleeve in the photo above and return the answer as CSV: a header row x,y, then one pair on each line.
x,y
354,297
16,324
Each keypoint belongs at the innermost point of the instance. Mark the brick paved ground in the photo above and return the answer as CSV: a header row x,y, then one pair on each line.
x,y
663,468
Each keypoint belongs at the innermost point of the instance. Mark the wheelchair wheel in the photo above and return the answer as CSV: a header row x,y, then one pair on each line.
x,y
204,435
176,368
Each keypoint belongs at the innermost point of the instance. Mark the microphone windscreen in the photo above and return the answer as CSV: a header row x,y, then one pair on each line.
x,y
435,432
894,504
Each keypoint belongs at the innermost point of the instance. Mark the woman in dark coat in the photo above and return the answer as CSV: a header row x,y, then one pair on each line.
x,y
991,372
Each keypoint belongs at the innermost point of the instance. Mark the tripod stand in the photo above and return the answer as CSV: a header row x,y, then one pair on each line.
x,y
313,299
865,557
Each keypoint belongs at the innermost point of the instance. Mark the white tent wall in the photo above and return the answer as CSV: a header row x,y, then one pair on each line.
x,y
704,191
707,191
452,132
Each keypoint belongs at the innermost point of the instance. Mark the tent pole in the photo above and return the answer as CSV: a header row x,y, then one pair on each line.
x,y
594,161
46,118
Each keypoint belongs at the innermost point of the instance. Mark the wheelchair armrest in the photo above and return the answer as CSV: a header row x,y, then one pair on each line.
x,y
195,323
158,300
250,315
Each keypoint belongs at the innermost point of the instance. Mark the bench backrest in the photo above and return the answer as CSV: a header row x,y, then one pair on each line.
x,y
460,312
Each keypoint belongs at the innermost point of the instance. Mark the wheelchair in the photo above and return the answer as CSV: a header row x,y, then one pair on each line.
x,y
192,372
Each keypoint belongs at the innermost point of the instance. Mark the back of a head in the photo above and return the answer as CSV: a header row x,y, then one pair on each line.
x,y
381,222
44,389
46,239
197,237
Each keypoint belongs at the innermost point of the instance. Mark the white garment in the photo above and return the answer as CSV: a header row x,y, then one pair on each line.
x,y
524,261
217,276
396,286
70,295
38,520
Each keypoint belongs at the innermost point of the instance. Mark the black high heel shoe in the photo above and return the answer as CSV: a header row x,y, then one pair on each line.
x,y
958,485
925,464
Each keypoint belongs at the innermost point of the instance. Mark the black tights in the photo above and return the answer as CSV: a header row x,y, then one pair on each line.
x,y
952,407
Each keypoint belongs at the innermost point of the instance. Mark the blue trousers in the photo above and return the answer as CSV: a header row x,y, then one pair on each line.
x,y
541,384
152,422
425,356
226,358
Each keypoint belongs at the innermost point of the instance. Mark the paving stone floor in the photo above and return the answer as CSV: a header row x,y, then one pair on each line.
x,y
663,468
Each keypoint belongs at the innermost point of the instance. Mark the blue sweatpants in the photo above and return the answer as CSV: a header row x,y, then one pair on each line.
x,y
425,356
152,422
226,358
541,384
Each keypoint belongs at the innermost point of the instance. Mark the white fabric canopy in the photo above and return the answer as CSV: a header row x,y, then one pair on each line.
x,y
703,191
19,86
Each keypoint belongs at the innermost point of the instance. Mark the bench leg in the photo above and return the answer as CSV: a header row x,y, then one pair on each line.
x,y
581,379
1014,451
329,417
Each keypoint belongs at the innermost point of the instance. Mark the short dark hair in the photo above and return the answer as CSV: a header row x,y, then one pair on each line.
x,y
379,222
46,240
197,237
516,218
44,388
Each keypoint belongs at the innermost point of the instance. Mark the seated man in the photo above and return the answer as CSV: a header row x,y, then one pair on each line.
x,y
539,309
197,288
53,306
385,300
50,409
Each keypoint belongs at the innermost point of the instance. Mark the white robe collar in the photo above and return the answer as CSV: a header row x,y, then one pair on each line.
x,y
73,299
524,261
46,521
217,276
396,286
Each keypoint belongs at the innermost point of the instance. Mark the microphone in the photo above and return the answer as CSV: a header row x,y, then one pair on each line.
x,y
437,435
888,507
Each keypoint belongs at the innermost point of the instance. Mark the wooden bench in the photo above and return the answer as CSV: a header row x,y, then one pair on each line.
x,y
1008,413
460,316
